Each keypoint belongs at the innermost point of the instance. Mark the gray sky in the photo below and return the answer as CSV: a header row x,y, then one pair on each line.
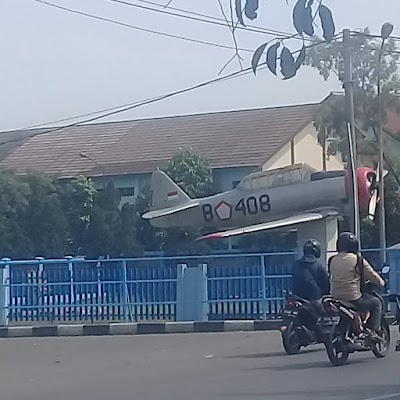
x,y
56,65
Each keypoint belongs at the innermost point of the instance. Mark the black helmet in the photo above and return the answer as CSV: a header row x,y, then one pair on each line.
x,y
347,243
312,248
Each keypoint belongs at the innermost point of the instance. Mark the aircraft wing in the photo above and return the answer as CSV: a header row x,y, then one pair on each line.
x,y
297,219
168,211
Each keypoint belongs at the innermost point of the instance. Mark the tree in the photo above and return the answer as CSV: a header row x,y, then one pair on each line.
x,y
77,198
14,242
330,120
129,245
192,172
101,237
32,220
148,237
44,222
41,216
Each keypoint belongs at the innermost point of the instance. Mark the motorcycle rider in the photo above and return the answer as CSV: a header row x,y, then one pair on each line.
x,y
310,278
346,271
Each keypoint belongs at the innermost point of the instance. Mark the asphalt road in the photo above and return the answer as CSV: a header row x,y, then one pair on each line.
x,y
218,366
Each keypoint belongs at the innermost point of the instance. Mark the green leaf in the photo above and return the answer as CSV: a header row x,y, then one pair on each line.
x,y
256,57
238,9
251,8
302,18
327,22
272,57
288,65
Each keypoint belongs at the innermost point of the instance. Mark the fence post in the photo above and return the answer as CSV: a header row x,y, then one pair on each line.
x,y
125,289
264,289
5,292
192,293
71,283
40,287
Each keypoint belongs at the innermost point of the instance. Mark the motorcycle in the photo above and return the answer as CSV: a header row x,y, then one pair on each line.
x,y
395,298
344,331
299,327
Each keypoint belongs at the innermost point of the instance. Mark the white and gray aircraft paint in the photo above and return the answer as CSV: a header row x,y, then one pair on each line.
x,y
264,200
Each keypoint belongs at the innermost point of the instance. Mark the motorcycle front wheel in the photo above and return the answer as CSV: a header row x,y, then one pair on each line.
x,y
381,349
337,353
291,339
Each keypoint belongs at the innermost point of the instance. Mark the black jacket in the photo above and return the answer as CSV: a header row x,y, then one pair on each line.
x,y
310,279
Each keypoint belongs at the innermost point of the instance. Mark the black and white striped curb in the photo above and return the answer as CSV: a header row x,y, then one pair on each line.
x,y
137,328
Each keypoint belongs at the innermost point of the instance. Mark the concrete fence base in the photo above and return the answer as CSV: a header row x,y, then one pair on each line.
x,y
137,328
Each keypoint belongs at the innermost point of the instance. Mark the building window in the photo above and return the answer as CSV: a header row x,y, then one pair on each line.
x,y
234,184
127,192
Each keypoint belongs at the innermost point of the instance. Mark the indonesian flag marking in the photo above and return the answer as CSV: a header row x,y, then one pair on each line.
x,y
172,195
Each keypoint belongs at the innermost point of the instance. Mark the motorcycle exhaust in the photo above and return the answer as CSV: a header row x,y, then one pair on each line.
x,y
353,347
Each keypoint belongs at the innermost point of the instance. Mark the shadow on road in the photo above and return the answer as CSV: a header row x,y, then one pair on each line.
x,y
306,365
274,354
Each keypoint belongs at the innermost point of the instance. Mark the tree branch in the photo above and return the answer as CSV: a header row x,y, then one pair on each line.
x,y
232,30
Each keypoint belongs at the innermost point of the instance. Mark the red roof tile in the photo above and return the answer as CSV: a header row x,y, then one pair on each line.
x,y
233,138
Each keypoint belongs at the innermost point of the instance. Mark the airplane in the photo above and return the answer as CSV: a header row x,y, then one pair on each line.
x,y
282,197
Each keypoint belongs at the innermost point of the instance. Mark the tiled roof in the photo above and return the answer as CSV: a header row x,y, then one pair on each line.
x,y
233,138
12,140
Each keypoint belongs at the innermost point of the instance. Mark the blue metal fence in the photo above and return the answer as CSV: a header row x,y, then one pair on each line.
x,y
77,290
246,286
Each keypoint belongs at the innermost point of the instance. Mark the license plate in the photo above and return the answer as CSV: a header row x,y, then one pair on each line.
x,y
330,321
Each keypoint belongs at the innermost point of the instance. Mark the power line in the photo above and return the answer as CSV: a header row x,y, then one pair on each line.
x,y
121,109
109,20
203,18
129,106
124,107
85,115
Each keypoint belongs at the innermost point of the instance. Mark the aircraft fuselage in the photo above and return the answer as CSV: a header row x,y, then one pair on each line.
x,y
241,207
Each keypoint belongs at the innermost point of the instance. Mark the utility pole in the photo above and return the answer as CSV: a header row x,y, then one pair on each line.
x,y
386,31
348,85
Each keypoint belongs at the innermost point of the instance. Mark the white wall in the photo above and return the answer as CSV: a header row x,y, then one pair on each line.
x,y
306,150
281,159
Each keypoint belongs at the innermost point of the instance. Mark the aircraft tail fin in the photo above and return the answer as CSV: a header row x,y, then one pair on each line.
x,y
166,193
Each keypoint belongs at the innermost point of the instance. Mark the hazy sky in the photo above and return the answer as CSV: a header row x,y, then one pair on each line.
x,y
56,65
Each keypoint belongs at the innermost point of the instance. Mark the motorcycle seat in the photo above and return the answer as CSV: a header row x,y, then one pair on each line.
x,y
349,305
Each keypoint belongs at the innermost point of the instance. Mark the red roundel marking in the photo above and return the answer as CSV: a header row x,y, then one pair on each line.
x,y
223,210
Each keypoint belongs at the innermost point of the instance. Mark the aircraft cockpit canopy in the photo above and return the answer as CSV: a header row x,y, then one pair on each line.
x,y
278,177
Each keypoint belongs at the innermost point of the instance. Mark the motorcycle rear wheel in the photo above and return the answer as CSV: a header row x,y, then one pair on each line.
x,y
336,353
380,350
291,339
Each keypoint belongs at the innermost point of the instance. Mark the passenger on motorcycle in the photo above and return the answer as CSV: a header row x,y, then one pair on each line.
x,y
346,271
310,278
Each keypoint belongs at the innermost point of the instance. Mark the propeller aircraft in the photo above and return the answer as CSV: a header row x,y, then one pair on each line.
x,y
277,198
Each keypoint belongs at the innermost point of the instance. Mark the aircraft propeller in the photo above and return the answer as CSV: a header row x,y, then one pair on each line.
x,y
373,182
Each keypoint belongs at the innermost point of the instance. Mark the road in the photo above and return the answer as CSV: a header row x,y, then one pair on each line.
x,y
218,366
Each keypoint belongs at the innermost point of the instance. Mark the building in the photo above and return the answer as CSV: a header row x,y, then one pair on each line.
x,y
235,142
